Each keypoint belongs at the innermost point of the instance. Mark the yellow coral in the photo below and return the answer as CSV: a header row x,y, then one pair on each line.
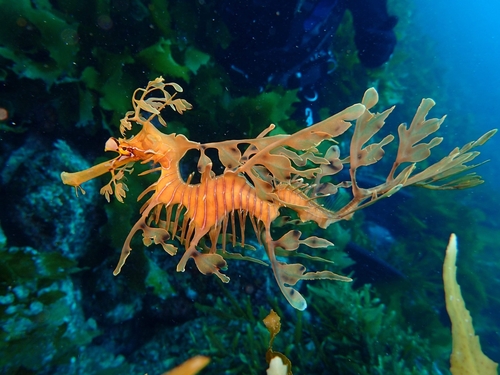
x,y
466,357
191,367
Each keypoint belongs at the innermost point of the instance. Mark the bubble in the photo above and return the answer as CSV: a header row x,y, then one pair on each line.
x,y
69,36
21,22
104,22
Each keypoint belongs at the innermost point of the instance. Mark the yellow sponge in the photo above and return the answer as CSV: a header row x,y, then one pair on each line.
x,y
466,357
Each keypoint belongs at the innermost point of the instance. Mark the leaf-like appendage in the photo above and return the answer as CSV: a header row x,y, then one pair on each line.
x,y
158,236
289,241
366,127
373,152
316,242
280,166
180,105
120,191
370,98
107,191
452,165
409,150
203,162
147,107
230,156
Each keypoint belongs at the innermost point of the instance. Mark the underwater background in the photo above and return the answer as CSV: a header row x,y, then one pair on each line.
x,y
67,73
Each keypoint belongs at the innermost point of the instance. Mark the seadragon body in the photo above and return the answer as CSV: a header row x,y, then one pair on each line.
x,y
261,176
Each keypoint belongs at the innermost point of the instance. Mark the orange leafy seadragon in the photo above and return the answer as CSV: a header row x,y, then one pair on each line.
x,y
261,176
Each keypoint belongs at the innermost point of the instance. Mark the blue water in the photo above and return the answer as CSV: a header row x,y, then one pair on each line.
x,y
468,37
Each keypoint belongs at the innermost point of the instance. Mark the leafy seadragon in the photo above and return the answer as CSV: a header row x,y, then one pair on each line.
x,y
261,176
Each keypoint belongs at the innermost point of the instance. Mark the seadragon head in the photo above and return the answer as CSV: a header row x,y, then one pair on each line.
x,y
148,145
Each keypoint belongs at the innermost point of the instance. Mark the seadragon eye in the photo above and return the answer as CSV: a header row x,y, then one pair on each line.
x,y
125,151
112,144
